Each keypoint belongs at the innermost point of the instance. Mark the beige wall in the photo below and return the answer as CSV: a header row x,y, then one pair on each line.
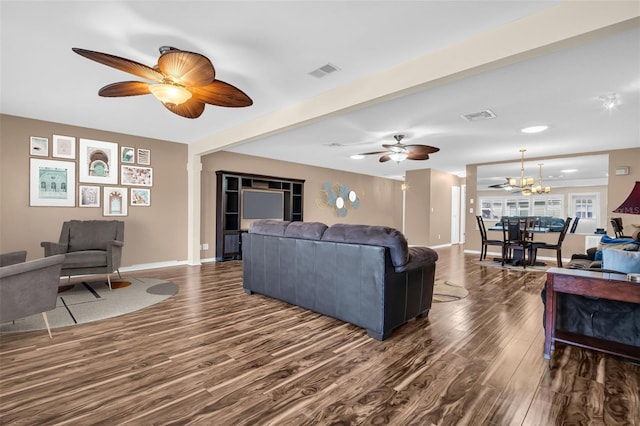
x,y
428,206
380,199
618,189
158,234
417,206
620,186
152,234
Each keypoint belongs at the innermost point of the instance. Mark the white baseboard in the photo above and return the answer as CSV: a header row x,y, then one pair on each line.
x,y
441,246
433,247
155,265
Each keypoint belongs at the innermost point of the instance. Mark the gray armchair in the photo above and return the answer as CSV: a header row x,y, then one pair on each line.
x,y
30,288
91,247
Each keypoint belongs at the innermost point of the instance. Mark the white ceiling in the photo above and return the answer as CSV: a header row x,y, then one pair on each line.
x,y
267,49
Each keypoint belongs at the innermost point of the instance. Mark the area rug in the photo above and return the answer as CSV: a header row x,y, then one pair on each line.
x,y
497,264
91,301
446,291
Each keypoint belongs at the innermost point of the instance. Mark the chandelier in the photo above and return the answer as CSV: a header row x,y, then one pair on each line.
x,y
540,189
525,183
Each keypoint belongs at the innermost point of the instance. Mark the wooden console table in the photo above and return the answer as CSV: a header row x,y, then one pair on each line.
x,y
587,283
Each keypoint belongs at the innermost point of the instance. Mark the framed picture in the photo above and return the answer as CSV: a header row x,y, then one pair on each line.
x,y
144,156
140,197
114,201
98,161
64,146
137,176
88,196
39,146
52,183
127,154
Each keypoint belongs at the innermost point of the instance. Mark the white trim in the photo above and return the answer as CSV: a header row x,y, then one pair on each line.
x,y
143,266
441,246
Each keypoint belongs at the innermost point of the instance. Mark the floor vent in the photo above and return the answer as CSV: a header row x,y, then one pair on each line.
x,y
324,70
482,115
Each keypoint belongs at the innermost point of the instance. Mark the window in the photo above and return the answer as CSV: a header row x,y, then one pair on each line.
x,y
587,208
549,205
584,208
491,209
518,206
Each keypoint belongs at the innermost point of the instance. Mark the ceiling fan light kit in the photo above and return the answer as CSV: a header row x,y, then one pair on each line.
x,y
183,81
398,156
169,93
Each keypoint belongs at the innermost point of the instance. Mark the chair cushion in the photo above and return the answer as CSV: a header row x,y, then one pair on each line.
x,y
91,234
86,259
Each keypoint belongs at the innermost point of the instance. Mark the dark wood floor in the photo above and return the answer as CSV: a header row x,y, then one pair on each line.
x,y
213,355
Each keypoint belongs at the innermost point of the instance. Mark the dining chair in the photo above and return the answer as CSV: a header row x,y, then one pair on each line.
x,y
616,223
517,237
574,225
485,241
558,245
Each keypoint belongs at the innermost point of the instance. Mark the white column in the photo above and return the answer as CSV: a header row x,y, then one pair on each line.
x,y
194,169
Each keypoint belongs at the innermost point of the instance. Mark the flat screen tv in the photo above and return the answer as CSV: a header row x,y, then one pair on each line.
x,y
260,204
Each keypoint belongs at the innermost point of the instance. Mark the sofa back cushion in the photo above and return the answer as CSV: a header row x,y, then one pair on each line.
x,y
371,235
269,227
305,230
91,234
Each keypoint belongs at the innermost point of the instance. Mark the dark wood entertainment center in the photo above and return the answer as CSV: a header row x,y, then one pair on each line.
x,y
229,208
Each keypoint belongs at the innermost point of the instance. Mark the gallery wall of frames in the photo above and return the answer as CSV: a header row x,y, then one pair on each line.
x,y
66,171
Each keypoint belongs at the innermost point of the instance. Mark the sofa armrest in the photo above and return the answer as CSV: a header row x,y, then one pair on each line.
x,y
51,249
419,257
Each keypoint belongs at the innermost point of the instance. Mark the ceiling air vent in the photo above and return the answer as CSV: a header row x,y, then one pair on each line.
x,y
324,70
482,115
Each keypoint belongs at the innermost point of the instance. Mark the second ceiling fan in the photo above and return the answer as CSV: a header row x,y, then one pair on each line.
x,y
399,152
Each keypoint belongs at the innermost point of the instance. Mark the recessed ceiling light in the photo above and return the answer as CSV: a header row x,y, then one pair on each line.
x,y
609,101
534,129
569,171
357,156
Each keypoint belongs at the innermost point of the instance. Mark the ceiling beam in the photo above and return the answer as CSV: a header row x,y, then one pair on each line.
x,y
566,24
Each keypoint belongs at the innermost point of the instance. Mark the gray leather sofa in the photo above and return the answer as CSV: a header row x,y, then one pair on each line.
x,y
364,275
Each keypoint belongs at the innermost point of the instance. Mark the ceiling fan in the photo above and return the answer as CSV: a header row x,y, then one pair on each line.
x,y
399,152
183,81
505,185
